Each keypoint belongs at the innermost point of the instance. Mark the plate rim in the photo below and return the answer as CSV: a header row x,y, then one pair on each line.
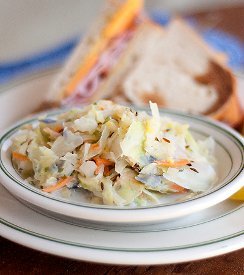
x,y
43,242
223,245
102,248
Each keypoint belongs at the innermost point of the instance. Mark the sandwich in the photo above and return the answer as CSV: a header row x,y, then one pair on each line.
x,y
128,58
98,52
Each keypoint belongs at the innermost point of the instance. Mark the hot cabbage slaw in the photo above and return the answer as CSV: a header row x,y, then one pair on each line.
x,y
118,155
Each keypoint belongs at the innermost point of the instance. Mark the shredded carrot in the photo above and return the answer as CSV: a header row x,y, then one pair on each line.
x,y
58,128
107,171
103,161
61,183
19,156
172,164
95,146
178,188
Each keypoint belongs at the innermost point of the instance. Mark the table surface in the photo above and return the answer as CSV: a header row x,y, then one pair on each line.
x,y
16,259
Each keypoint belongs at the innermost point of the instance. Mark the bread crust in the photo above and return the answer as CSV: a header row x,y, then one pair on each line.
x,y
230,112
227,108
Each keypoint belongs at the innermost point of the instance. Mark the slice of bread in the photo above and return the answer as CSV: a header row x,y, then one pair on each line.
x,y
176,69
166,71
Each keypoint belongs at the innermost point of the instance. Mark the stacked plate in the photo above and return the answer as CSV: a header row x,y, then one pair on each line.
x,y
206,225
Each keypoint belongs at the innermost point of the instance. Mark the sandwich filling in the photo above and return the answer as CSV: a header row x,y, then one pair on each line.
x,y
88,85
106,47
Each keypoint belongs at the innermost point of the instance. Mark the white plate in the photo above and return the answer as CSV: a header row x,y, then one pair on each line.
x,y
229,153
217,230
209,233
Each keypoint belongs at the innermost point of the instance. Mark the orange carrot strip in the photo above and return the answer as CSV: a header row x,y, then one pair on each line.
x,y
107,171
58,128
19,156
61,183
172,164
177,188
103,161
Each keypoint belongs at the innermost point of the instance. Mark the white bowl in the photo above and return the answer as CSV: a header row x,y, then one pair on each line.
x,y
21,99
229,154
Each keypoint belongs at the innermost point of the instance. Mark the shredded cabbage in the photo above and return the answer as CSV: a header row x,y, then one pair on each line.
x,y
120,156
